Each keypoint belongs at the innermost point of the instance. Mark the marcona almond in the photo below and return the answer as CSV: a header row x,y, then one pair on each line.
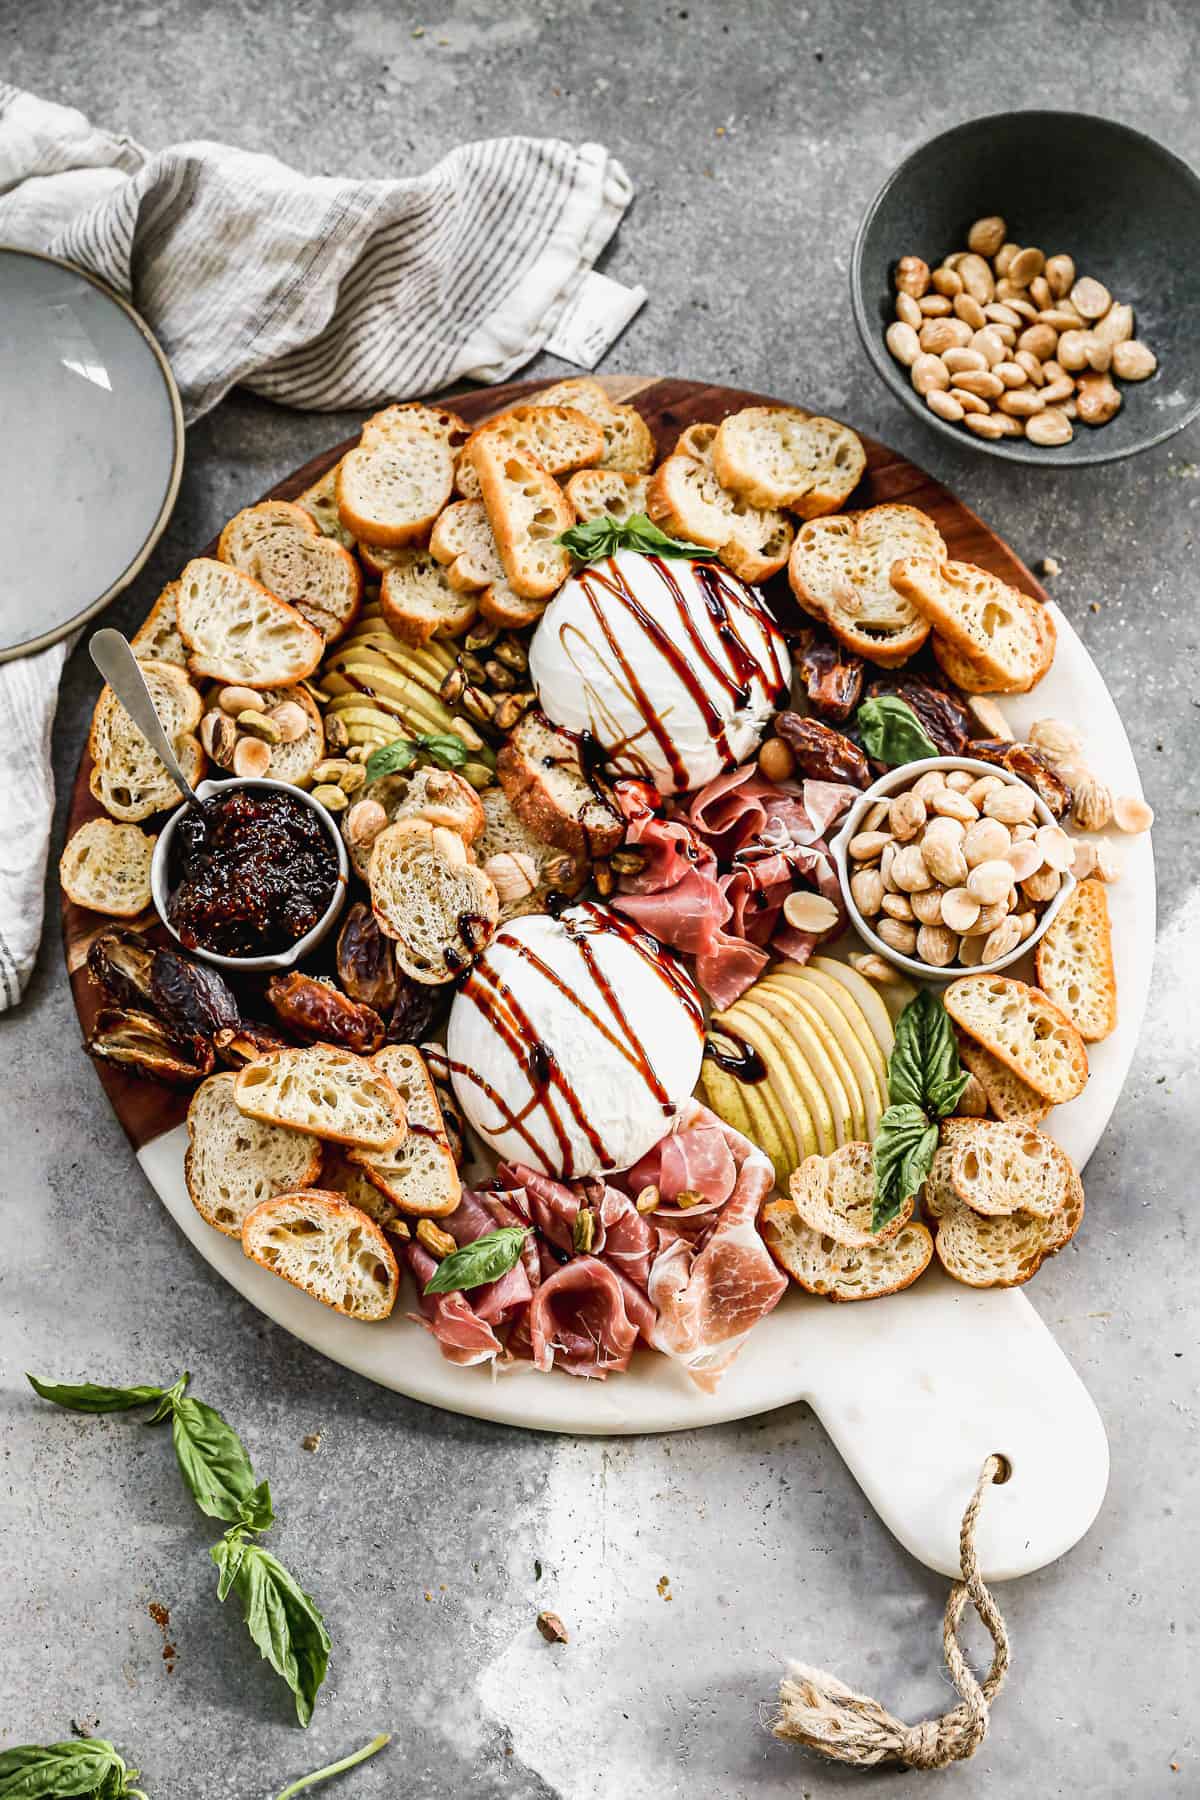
x,y
1133,361
989,918
1097,399
991,882
927,906
909,870
1055,846
1132,814
897,936
959,780
1027,923
1010,427
985,425
252,759
875,815
1024,858
969,311
1021,404
1060,275
1034,370
989,343
970,951
959,359
977,278
1002,312
986,236
866,891
888,856
945,861
1025,265
970,403
1060,320
1039,291
912,276
942,826
808,911
944,405
1003,258
908,815
928,373
1091,299
983,841
364,822
1084,862
1073,350
1010,804
947,281
1116,327
1108,863
979,790
899,906
908,312
1005,937
874,968
1025,310
1057,741
927,785
1012,374
291,719
960,909
1059,388
867,846
903,342
1040,340
952,805
939,335
236,700
982,382
1042,885
1050,426
936,946
935,306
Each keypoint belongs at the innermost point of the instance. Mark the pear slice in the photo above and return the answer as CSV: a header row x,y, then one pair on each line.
x,y
747,1102
797,1014
803,1051
859,1050
867,996
787,1084
813,981
746,1022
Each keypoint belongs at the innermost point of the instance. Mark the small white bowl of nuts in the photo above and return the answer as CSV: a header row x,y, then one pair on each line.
x,y
950,864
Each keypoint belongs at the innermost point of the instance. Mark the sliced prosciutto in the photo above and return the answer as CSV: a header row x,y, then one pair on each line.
x,y
462,1335
464,1323
578,1321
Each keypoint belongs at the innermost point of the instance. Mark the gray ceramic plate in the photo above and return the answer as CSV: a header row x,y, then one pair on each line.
x,y
1127,210
91,450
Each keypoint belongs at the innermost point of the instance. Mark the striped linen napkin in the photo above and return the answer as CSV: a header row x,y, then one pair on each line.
x,y
317,292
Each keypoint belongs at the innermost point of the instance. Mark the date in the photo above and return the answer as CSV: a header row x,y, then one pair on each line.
x,y
317,1009
942,713
366,966
822,754
415,1010
140,1043
194,1000
1023,760
833,677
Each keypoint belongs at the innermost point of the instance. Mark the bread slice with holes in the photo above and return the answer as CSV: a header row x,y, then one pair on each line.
x,y
431,899
998,639
157,639
840,572
128,778
296,761
1075,962
1005,1250
558,437
685,497
606,493
325,1091
281,546
528,512
1024,1029
542,771
1009,1098
323,1245
781,456
500,604
233,1162
997,1168
417,599
420,1175
462,540
392,487
320,502
106,866
237,631
845,1272
835,1196
550,870
628,440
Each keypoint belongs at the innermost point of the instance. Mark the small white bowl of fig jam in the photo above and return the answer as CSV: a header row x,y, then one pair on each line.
x,y
251,877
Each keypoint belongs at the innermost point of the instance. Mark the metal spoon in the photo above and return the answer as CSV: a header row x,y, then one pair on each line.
x,y
115,660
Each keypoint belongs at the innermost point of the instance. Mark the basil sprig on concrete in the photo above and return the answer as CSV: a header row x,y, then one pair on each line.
x,y
605,536
891,732
282,1619
925,1084
486,1259
83,1768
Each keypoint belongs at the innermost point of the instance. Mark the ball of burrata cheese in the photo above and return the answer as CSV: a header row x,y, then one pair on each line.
x,y
574,1041
674,667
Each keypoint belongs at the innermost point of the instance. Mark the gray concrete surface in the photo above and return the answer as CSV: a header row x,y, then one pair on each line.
x,y
755,135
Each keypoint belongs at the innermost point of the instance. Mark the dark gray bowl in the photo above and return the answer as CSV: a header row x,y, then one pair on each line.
x,y
1127,210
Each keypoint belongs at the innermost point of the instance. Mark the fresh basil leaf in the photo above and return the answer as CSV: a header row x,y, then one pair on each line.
x,y
89,1397
904,1145
477,1263
215,1467
82,1767
399,754
605,536
445,748
166,1406
924,1069
280,1616
891,732
338,1768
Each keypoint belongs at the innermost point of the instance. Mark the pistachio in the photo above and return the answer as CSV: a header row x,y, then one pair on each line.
x,y
500,678
259,725
451,689
481,636
649,1199
583,1231
509,710
605,880
477,775
512,653
336,734
514,875
560,871
218,734
627,862
332,798
973,1101
341,772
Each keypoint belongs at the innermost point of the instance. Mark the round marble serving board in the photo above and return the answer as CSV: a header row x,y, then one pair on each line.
x,y
914,1390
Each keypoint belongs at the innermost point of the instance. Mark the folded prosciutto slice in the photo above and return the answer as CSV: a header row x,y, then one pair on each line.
x,y
578,1321
464,1323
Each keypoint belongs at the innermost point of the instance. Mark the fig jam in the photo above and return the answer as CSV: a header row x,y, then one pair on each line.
x,y
252,871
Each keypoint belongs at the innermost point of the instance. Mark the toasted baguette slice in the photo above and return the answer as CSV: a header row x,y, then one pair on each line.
x,y
840,569
997,1169
601,493
418,601
281,546
322,1244
398,424
236,631
1075,962
1009,1098
628,440
541,770
341,1176
437,906
1004,1251
127,778
938,1194
697,441
685,497
835,1195
558,437
296,761
1000,639
550,870
437,795
1024,1029
232,1162
500,604
780,456
107,867
157,639
393,486
462,540
527,511
844,1271
419,1175
320,501
325,1091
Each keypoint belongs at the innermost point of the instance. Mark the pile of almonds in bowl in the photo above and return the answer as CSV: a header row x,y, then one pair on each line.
x,y
957,869
1013,343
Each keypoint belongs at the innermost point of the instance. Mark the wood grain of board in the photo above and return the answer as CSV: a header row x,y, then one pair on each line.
x,y
147,1108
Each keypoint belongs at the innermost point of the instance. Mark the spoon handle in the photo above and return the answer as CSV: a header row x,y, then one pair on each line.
x,y
120,668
